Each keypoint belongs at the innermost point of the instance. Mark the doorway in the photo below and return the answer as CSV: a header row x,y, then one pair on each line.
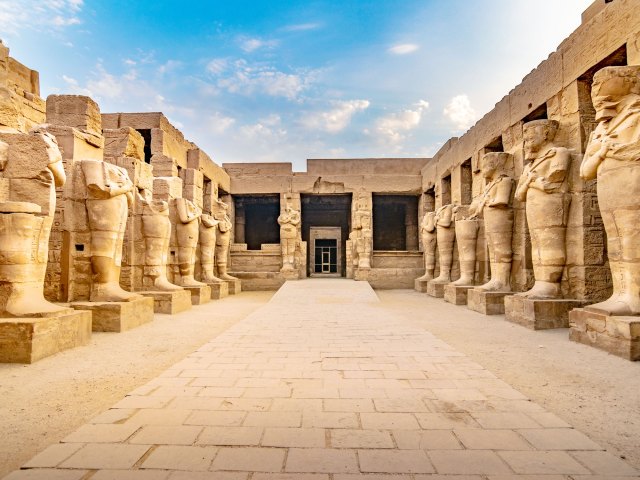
x,y
326,258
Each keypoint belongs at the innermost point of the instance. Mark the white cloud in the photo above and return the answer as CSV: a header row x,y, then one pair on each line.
x,y
33,14
217,66
403,48
219,123
460,112
251,44
248,79
394,127
336,119
301,27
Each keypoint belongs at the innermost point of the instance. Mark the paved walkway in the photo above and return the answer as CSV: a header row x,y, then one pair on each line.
x,y
322,383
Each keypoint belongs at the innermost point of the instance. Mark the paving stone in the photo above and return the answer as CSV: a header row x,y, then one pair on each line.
x,y
446,421
426,440
603,463
166,435
477,439
348,405
130,475
395,461
180,458
559,439
543,463
106,456
214,418
320,460
53,455
250,459
208,475
226,436
389,421
468,462
330,420
273,419
46,474
294,437
348,438
101,433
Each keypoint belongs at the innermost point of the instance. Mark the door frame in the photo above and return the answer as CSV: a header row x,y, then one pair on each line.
x,y
325,233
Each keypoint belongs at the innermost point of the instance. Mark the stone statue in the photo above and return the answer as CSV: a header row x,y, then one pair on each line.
x,y
428,233
109,195
495,205
30,170
363,236
156,230
467,239
446,237
187,230
208,230
223,240
613,157
289,221
543,186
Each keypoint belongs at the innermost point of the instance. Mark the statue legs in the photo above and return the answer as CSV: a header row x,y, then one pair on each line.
x,y
23,270
446,238
547,219
157,232
187,234
498,225
467,237
222,253
429,247
288,254
618,193
107,221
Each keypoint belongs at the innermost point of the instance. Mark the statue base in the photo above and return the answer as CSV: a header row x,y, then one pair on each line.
x,y
234,286
456,294
290,274
29,339
172,302
420,285
487,303
117,316
539,314
618,335
219,290
435,289
361,274
199,294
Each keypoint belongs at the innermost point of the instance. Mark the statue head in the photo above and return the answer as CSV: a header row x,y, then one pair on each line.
x,y
537,134
494,164
610,85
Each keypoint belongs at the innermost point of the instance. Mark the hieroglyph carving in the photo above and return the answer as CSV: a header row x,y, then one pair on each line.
x,y
30,170
613,157
289,220
495,205
429,241
543,186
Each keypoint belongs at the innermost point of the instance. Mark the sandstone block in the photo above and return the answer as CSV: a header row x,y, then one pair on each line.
x,y
219,290
199,295
169,302
77,111
435,289
618,335
487,303
539,314
456,294
118,316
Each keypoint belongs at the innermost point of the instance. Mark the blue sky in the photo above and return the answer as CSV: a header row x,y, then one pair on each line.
x,y
290,80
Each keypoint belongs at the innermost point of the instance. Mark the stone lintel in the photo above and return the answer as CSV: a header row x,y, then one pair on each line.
x,y
456,294
540,314
27,340
618,335
118,316
487,303
169,302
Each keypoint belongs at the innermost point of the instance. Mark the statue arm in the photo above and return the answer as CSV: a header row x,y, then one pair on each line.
x,y
523,184
446,216
596,151
503,193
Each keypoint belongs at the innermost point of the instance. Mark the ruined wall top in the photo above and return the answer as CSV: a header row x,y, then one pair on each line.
x,y
77,111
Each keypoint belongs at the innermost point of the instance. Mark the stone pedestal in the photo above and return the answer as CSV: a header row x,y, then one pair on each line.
x,y
169,302
235,286
199,295
117,316
435,289
617,335
27,340
290,274
219,290
487,303
455,294
539,314
361,274
420,285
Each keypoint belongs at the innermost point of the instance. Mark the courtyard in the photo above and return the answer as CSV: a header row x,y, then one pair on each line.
x,y
326,378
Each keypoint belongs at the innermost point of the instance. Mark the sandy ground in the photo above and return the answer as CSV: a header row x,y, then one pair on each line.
x,y
595,392
42,403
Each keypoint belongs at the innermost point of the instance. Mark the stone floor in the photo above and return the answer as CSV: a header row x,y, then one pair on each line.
x,y
322,384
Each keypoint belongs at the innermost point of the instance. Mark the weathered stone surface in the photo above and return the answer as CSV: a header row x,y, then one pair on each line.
x,y
539,314
118,316
487,303
618,335
27,340
199,294
456,294
219,290
170,302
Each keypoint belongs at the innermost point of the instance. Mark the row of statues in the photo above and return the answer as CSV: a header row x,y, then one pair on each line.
x,y
612,157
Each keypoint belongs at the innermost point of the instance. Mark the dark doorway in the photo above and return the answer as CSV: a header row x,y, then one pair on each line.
x,y
326,211
326,256
395,219
257,219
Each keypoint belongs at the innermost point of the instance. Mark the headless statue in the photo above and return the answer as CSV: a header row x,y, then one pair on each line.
x,y
187,230
429,241
208,230
467,239
446,236
223,240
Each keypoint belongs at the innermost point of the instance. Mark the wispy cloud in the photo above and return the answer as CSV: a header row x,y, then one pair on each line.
x,y
460,112
249,45
403,48
301,27
335,119
33,14
219,123
393,128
